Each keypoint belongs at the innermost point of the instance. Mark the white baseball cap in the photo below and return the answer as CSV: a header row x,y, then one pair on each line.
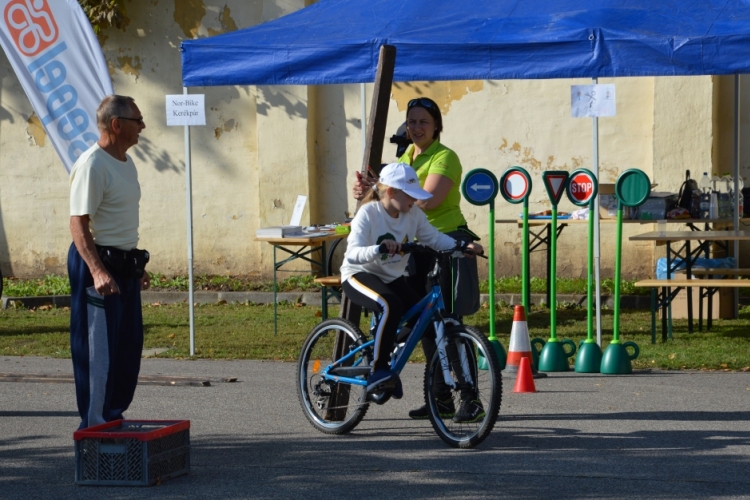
x,y
402,176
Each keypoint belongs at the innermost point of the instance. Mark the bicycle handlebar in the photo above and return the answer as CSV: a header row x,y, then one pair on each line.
x,y
416,247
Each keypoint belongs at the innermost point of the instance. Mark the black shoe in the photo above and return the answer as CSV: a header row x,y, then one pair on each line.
x,y
398,392
471,410
446,408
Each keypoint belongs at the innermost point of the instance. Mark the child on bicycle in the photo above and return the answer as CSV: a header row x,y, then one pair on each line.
x,y
376,281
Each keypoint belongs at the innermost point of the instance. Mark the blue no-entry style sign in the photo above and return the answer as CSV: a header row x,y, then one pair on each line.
x,y
479,187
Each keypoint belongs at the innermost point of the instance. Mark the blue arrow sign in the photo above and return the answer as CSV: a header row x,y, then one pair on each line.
x,y
480,186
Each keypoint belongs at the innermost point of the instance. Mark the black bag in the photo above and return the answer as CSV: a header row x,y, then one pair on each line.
x,y
464,279
127,264
684,198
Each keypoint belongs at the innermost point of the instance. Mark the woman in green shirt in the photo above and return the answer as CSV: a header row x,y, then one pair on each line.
x,y
439,171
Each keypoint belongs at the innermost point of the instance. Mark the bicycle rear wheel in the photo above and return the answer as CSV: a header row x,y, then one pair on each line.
x,y
332,407
484,392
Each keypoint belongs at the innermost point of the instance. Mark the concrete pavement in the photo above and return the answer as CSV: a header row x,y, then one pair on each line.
x,y
654,434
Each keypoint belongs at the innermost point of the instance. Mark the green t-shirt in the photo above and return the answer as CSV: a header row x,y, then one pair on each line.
x,y
437,159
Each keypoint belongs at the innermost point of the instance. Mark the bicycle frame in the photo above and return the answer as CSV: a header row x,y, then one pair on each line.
x,y
428,309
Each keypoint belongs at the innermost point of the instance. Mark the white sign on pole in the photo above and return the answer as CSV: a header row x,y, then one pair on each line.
x,y
186,109
592,100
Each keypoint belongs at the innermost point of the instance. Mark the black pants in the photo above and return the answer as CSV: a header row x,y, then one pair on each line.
x,y
392,300
106,340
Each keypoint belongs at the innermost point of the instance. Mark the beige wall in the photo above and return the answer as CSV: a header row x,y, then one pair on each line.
x,y
263,146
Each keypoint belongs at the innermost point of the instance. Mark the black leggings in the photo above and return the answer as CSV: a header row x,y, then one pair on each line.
x,y
391,299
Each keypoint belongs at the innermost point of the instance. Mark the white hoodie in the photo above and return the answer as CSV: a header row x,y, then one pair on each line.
x,y
372,225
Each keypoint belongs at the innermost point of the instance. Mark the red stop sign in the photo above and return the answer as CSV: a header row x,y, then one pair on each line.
x,y
581,188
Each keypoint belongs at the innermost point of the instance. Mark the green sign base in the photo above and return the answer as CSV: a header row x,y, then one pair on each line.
x,y
616,359
537,344
554,358
589,357
502,357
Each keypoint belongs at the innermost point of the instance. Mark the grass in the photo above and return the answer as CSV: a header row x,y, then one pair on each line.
x,y
59,285
245,331
48,285
573,286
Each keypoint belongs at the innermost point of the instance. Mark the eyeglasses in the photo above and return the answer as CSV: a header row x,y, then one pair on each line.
x,y
138,120
423,102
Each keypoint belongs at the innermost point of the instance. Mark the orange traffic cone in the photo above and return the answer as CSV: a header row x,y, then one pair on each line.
x,y
524,379
520,345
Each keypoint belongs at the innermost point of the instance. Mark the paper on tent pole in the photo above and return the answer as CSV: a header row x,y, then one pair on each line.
x,y
299,207
592,100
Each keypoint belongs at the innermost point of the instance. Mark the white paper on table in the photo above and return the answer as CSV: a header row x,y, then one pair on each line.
x,y
592,100
299,207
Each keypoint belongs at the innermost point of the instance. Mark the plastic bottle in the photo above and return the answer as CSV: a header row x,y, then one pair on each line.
x,y
740,196
715,183
695,204
705,187
714,206
725,198
741,205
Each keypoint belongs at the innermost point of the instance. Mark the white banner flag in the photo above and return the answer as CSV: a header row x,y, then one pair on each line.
x,y
56,56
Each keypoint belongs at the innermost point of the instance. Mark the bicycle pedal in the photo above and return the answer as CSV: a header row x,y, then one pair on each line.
x,y
387,385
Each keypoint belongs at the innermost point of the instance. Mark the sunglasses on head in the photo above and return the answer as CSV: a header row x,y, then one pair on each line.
x,y
423,102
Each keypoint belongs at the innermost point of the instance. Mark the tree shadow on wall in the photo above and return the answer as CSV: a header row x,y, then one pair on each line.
x,y
275,97
147,151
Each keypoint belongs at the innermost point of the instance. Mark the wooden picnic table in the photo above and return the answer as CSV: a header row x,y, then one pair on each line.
x,y
693,244
300,247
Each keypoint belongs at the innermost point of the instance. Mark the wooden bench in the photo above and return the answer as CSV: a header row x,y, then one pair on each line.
x,y
671,287
329,286
329,280
711,271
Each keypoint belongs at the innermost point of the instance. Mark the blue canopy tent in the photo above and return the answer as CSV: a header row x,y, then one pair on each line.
x,y
337,42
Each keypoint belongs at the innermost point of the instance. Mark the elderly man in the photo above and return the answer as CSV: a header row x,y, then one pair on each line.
x,y
106,270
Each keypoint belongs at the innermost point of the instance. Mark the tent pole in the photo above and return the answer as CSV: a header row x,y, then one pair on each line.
x,y
736,221
189,197
595,215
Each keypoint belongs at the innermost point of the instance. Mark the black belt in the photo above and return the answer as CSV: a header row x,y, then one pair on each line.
x,y
125,263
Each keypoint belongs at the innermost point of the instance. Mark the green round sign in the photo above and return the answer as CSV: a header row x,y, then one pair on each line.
x,y
632,187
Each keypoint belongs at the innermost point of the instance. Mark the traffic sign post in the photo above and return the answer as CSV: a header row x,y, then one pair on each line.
x,y
480,188
515,186
631,188
554,357
582,189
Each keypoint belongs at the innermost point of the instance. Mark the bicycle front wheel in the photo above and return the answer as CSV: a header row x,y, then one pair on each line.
x,y
464,416
332,407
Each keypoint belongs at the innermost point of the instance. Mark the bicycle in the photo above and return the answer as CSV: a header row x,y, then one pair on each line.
x,y
335,362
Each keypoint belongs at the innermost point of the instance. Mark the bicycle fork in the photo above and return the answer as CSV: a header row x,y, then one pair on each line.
x,y
451,353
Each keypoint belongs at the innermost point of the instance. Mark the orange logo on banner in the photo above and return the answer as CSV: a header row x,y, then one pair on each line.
x,y
31,25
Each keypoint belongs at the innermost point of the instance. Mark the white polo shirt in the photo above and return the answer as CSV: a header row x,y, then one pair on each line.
x,y
107,190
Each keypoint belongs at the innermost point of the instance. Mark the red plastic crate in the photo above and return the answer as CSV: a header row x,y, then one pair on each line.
x,y
132,452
